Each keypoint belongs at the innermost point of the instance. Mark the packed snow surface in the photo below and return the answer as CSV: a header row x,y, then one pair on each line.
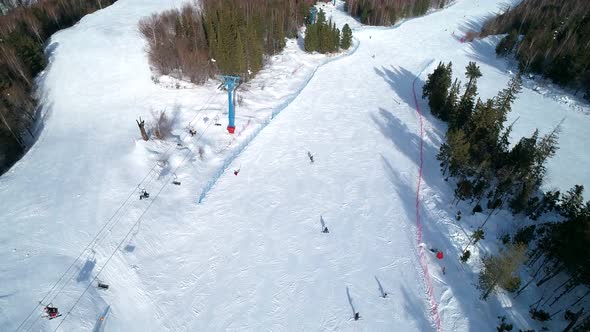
x,y
251,255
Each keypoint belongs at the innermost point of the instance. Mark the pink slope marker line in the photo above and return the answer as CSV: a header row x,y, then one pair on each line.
x,y
422,255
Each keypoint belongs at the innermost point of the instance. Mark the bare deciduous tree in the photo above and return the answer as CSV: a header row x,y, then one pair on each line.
x,y
141,125
162,126
499,271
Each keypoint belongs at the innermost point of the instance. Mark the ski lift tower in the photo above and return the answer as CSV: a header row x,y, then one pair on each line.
x,y
313,12
231,83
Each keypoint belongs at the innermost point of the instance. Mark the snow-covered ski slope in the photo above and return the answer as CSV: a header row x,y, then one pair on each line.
x,y
251,256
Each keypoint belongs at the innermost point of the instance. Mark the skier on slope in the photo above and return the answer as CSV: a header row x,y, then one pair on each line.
x,y
440,256
51,312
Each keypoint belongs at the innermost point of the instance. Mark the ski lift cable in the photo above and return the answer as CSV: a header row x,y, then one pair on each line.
x,y
96,242
146,184
73,263
166,182
103,228
129,232
99,241
166,153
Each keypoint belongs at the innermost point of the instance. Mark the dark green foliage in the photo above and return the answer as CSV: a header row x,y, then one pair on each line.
x,y
513,284
506,45
28,50
584,326
566,243
451,102
505,239
525,235
477,152
569,315
464,189
23,33
311,41
572,202
437,87
478,235
465,256
221,36
461,116
540,315
521,199
454,154
539,206
421,7
477,209
504,326
503,102
323,36
387,12
554,39
346,37
240,33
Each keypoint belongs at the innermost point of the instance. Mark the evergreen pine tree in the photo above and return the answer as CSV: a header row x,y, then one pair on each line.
x,y
238,58
503,102
458,146
571,203
506,45
437,88
211,35
483,132
548,145
321,17
278,35
323,36
472,72
523,154
335,38
465,108
451,103
311,41
254,48
346,41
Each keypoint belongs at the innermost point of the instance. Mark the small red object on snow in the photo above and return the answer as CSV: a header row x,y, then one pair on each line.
x,y
439,255
231,130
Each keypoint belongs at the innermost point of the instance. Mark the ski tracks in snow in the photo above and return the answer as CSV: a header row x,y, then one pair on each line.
x,y
421,253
